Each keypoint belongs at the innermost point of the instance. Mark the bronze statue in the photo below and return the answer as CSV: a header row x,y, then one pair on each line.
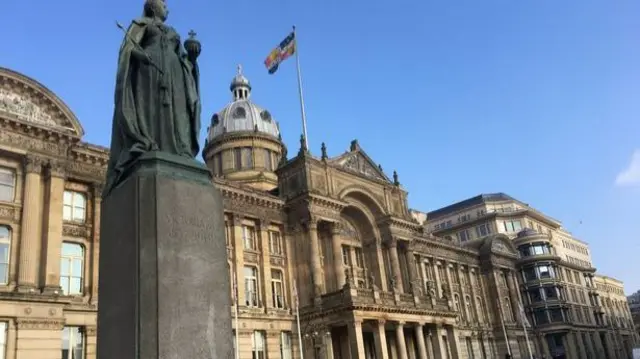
x,y
157,95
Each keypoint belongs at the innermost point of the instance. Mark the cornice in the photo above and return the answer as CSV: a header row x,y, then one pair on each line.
x,y
248,195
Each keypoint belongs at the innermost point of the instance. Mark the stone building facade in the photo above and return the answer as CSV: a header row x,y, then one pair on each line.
x,y
330,236
560,292
634,305
618,317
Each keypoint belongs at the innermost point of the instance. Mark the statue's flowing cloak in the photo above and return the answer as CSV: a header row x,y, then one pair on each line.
x,y
131,137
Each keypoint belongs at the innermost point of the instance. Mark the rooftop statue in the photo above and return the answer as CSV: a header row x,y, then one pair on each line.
x,y
157,95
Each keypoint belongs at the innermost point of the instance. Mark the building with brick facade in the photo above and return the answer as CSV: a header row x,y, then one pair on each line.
x,y
332,233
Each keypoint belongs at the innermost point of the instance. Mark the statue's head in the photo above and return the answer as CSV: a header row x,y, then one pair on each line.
x,y
156,8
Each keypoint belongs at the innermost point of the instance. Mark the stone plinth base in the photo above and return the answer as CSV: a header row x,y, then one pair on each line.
x,y
164,279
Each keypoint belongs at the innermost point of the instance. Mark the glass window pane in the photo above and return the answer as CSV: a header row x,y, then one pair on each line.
x,y
78,200
4,252
4,276
64,283
76,268
6,193
75,286
66,213
4,233
78,214
64,267
67,199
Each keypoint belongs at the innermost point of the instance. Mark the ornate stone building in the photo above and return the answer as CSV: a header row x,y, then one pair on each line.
x,y
617,315
560,293
634,305
333,234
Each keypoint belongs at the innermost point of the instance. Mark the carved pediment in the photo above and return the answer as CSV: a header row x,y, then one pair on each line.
x,y
27,101
359,162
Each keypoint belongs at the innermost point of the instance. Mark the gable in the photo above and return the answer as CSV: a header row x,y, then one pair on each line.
x,y
358,162
25,100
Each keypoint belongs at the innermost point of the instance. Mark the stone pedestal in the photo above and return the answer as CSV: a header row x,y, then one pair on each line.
x,y
164,279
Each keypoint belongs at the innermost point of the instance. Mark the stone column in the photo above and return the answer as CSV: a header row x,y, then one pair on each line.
x,y
439,350
356,341
266,263
452,336
400,342
238,253
395,263
436,273
338,266
328,344
30,241
477,307
380,341
422,349
53,230
598,341
429,342
316,263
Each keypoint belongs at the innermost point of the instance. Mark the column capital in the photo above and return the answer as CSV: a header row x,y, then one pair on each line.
x,y
263,223
336,228
97,187
311,223
237,218
33,163
401,323
56,168
392,242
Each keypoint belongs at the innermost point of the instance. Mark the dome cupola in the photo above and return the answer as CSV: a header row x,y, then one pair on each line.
x,y
243,141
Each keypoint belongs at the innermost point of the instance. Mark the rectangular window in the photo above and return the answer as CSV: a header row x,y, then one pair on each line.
x,y
249,237
251,286
483,230
545,271
275,243
258,347
277,289
5,254
72,343
345,256
469,348
228,232
359,258
247,158
286,349
535,296
7,184
512,226
463,235
71,268
268,163
237,158
74,206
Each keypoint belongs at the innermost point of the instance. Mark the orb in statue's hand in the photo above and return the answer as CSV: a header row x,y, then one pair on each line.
x,y
192,46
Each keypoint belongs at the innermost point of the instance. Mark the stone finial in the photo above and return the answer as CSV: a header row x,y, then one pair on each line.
x,y
303,145
283,157
323,148
395,178
380,168
354,145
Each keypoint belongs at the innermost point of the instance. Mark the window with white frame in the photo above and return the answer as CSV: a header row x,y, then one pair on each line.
x,y
286,349
512,226
3,340
249,237
7,184
275,243
258,345
71,268
359,257
483,230
72,343
5,253
345,256
251,286
277,288
463,235
74,206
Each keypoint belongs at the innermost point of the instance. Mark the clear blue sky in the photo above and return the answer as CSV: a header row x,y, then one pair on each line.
x,y
538,99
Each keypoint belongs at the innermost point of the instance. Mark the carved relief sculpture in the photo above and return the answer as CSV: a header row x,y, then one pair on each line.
x,y
157,96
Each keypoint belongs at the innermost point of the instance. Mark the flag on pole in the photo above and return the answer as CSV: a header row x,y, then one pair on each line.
x,y
282,52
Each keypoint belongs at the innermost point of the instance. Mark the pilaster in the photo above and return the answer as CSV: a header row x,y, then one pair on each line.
x,y
422,349
238,251
336,245
395,264
316,264
380,340
95,244
263,233
53,226
30,242
356,341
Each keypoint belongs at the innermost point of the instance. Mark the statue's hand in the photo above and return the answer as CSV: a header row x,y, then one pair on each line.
x,y
141,56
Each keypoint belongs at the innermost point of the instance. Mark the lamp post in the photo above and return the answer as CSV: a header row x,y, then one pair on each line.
x,y
316,334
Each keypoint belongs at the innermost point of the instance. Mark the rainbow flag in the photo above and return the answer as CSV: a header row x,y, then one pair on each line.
x,y
286,48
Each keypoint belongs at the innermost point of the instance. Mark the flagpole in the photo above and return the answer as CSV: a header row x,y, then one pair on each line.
x,y
297,302
235,299
525,322
304,117
504,330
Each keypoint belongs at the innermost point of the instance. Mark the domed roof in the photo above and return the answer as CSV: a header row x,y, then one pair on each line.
x,y
242,114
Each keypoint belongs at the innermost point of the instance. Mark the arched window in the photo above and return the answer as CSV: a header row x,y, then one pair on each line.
x,y
479,314
5,253
72,268
456,302
239,113
470,311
